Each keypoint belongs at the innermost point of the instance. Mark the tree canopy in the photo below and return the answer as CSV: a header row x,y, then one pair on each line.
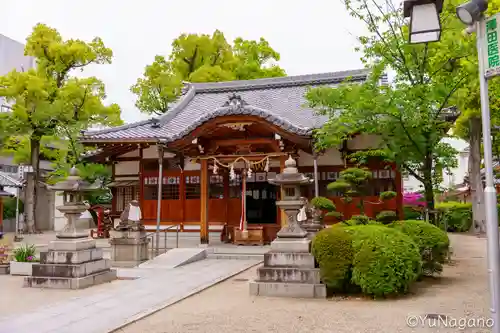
x,y
411,115
202,58
51,106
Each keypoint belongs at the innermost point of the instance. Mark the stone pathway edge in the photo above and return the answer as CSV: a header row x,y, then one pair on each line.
x,y
190,293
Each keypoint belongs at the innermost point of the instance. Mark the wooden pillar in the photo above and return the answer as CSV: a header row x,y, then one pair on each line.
x,y
282,193
141,179
204,181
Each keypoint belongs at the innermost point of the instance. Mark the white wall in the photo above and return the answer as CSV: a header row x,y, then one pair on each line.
x,y
12,57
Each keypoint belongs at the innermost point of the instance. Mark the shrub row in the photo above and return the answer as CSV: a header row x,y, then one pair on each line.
x,y
379,260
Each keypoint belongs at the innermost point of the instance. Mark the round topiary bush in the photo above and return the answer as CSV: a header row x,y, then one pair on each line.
x,y
455,216
386,261
332,249
433,243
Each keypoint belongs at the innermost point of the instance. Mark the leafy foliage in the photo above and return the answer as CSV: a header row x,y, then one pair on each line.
x,y
25,253
387,216
411,115
386,261
50,104
352,183
332,249
202,58
455,216
9,207
433,243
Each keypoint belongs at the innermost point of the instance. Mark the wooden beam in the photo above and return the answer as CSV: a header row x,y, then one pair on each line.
x,y
204,203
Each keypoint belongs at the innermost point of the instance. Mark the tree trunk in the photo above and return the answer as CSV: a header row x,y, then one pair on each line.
x,y
475,179
32,186
429,188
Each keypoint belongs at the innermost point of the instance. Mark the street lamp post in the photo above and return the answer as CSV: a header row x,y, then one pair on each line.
x,y
472,13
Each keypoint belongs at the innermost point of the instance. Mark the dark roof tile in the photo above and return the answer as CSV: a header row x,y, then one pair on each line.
x,y
281,101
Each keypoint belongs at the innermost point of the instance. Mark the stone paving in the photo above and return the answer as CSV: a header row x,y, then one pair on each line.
x,y
127,301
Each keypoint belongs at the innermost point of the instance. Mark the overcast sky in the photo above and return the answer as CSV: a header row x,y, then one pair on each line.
x,y
312,36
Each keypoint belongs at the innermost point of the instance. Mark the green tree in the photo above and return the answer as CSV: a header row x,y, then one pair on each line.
x,y
48,101
468,125
202,58
352,183
412,114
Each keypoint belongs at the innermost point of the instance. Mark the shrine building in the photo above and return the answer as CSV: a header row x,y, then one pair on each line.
x,y
216,131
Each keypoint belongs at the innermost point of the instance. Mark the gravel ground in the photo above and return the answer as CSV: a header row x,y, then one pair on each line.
x,y
462,292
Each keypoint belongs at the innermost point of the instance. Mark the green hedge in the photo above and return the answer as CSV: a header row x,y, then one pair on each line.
x,y
9,207
433,243
454,216
410,213
332,249
377,260
386,261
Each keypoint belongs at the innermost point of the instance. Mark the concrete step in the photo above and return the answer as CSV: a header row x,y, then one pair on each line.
x,y
175,258
69,283
289,259
71,270
235,256
291,275
70,257
280,289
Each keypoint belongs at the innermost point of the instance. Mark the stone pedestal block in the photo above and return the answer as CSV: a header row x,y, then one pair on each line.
x,y
4,269
70,264
289,271
128,248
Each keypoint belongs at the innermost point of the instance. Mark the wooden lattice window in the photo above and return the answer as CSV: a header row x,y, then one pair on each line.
x,y
171,188
193,187
124,195
235,187
216,189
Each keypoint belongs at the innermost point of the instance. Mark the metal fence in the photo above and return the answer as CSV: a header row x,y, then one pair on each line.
x,y
151,236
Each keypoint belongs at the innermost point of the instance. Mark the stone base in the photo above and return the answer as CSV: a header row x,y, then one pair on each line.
x,y
289,275
128,248
312,229
4,269
296,245
70,264
283,259
280,289
69,283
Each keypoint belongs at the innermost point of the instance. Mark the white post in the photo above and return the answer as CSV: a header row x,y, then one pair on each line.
x,y
316,182
490,194
16,237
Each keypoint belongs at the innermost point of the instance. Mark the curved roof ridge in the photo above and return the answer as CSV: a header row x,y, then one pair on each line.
x,y
284,81
8,181
246,109
176,108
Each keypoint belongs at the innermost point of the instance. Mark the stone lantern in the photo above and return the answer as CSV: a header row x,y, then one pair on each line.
x,y
74,188
290,181
73,261
289,268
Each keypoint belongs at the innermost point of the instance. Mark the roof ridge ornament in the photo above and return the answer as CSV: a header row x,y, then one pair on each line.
x,y
235,102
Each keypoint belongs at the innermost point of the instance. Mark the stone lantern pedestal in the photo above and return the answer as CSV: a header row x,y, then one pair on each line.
x,y
289,268
73,261
128,248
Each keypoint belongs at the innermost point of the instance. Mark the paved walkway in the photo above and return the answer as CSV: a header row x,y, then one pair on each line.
x,y
130,301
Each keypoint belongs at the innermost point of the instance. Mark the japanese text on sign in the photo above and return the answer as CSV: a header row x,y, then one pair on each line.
x,y
492,43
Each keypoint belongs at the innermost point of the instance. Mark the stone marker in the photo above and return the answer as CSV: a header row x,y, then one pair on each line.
x,y
73,261
289,268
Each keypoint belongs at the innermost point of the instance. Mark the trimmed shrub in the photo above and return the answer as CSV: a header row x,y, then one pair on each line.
x,y
410,213
386,261
323,204
359,220
454,216
332,249
433,243
387,216
9,207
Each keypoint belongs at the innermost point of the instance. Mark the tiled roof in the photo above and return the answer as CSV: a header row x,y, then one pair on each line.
x,y
8,181
281,101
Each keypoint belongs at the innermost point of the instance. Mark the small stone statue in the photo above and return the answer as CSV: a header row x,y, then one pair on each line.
x,y
131,218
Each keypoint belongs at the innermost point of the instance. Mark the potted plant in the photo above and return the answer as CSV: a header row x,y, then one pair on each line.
x,y
24,257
